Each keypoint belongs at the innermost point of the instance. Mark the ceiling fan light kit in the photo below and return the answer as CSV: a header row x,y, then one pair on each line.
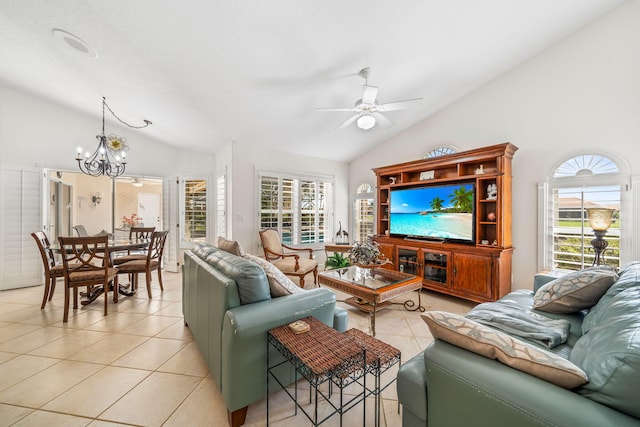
x,y
367,111
366,121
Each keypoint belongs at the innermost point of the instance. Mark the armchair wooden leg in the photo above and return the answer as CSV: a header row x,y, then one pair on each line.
x,y
301,281
237,417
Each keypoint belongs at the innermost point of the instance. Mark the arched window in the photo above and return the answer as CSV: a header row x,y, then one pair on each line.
x,y
441,151
364,208
575,185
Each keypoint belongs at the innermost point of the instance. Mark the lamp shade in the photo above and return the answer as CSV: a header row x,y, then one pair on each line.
x,y
366,121
600,218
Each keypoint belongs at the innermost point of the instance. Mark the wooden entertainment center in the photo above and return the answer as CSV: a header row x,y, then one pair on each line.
x,y
478,271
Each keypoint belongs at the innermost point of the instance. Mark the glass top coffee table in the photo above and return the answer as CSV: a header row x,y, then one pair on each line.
x,y
372,289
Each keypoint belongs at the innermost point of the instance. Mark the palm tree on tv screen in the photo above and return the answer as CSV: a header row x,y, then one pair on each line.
x,y
437,203
462,200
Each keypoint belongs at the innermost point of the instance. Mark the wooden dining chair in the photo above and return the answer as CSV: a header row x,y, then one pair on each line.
x,y
85,262
288,262
153,261
52,270
135,254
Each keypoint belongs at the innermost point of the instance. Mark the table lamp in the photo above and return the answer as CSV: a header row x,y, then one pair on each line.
x,y
600,221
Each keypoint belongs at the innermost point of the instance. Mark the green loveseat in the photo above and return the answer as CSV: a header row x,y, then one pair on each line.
x,y
446,385
227,305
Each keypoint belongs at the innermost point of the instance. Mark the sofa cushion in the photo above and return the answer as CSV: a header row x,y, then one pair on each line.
x,y
494,344
629,278
574,291
610,354
251,280
231,246
279,284
202,250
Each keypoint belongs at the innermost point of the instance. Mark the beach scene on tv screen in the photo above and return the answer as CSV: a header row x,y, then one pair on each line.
x,y
441,212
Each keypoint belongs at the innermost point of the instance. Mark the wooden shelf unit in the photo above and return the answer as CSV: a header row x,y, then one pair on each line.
x,y
478,272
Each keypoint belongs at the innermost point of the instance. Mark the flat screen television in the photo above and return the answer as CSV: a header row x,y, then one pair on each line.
x,y
439,212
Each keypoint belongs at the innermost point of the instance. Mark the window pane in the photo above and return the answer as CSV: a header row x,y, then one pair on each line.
x,y
364,219
295,207
195,211
587,164
572,235
222,206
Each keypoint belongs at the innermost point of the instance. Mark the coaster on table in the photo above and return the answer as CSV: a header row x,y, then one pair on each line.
x,y
299,327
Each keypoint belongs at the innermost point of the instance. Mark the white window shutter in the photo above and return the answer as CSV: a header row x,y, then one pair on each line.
x,y
21,216
170,219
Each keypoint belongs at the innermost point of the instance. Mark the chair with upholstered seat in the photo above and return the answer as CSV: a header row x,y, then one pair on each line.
x,y
136,233
289,263
85,262
152,261
52,270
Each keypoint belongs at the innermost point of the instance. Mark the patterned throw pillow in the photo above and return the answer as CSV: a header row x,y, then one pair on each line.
x,y
574,291
231,246
494,344
279,283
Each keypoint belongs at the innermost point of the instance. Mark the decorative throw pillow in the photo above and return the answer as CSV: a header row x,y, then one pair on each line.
x,y
279,283
574,291
494,344
231,246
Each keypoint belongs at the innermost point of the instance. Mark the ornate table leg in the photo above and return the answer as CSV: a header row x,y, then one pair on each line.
x,y
408,304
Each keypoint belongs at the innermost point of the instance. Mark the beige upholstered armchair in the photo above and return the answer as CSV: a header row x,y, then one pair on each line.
x,y
289,263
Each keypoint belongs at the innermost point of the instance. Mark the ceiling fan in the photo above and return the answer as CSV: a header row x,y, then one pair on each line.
x,y
367,111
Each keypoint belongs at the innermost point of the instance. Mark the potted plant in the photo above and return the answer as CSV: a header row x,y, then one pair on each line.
x,y
365,254
337,260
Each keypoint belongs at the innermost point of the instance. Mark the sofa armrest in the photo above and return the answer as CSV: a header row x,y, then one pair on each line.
x,y
412,391
494,394
340,319
541,279
244,341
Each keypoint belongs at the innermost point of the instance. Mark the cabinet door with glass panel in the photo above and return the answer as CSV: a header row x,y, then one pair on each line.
x,y
433,266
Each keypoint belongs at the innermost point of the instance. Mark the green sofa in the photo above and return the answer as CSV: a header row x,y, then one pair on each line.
x,y
227,305
446,385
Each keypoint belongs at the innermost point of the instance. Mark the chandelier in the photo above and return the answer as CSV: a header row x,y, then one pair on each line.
x,y
110,157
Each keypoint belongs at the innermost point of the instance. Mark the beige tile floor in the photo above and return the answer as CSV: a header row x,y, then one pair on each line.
x,y
140,366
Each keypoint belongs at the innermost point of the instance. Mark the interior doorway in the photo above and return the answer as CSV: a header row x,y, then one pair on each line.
x,y
60,209
150,209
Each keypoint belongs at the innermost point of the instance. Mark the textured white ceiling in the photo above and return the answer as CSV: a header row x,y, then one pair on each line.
x,y
209,72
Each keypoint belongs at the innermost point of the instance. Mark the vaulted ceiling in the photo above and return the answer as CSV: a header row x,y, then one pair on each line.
x,y
210,72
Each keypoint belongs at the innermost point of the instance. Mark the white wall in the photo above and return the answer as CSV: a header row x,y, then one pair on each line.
x,y
247,160
36,134
582,94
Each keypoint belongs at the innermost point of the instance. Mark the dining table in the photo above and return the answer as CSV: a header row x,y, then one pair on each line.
x,y
115,246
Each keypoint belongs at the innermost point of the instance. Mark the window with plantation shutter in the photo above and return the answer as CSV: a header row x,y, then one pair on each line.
x,y
575,185
297,206
364,212
194,211
221,208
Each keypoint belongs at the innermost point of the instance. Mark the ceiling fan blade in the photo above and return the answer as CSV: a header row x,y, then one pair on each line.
x,y
398,105
337,109
382,120
348,121
369,94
